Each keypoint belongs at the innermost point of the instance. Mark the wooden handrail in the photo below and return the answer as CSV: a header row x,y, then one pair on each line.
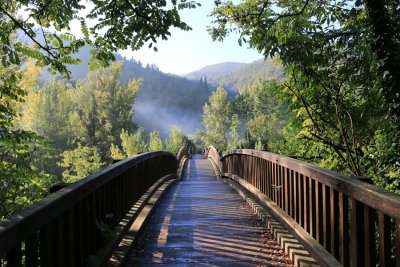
x,y
68,227
348,217
213,153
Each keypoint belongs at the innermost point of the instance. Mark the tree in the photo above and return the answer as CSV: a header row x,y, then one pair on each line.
x,y
216,119
234,131
176,139
80,162
155,143
22,153
257,108
132,144
45,111
103,107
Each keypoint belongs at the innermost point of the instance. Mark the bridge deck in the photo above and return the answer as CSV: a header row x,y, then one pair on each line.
x,y
203,221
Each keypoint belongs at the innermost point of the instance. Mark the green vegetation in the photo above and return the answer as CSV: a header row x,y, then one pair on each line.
x,y
80,162
155,142
337,104
176,139
86,120
217,119
233,76
340,102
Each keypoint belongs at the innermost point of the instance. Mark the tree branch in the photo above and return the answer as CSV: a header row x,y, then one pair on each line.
x,y
19,25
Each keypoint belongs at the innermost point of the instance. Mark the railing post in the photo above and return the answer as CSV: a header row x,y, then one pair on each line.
x,y
384,239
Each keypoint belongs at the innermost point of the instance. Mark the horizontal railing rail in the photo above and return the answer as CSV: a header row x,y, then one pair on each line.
x,y
358,223
69,227
184,154
213,153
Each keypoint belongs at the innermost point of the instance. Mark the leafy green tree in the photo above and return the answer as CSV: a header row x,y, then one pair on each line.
x,y
22,178
176,139
257,107
234,131
217,119
46,112
264,130
117,153
80,162
103,107
132,144
155,143
22,153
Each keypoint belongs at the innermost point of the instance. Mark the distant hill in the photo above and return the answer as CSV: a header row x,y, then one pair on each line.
x,y
240,75
215,71
163,100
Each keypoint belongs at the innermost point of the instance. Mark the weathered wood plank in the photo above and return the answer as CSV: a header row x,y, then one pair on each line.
x,y
203,221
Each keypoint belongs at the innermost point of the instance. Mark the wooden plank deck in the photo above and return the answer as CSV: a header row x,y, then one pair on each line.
x,y
203,222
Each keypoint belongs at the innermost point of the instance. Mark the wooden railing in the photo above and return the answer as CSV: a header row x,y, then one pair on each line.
x,y
357,223
183,154
72,226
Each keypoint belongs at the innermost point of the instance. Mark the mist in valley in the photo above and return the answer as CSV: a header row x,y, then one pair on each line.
x,y
152,115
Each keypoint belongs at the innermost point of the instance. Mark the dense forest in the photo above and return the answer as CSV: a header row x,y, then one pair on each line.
x,y
73,128
176,100
339,104
334,99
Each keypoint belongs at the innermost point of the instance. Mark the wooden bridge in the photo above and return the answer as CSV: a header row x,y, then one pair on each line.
x,y
247,208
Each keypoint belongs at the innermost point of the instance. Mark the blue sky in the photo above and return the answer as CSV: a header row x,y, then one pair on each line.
x,y
185,52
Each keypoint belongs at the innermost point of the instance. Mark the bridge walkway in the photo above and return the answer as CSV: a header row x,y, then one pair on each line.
x,y
202,221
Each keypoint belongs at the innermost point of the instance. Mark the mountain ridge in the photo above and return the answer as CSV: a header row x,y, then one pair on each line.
x,y
238,76
218,69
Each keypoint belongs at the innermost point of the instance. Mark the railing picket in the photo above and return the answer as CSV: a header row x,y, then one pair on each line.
x,y
370,240
14,257
344,230
60,239
32,250
70,228
270,181
286,188
319,210
296,197
334,225
301,200
306,204
291,196
384,244
397,242
357,239
337,211
46,249
326,217
313,211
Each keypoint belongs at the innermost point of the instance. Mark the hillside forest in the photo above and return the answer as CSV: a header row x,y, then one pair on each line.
x,y
327,92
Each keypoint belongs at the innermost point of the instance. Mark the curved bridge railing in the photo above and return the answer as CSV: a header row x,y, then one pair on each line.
x,y
357,223
81,224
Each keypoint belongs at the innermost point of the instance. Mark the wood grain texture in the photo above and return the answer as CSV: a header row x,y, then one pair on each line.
x,y
203,221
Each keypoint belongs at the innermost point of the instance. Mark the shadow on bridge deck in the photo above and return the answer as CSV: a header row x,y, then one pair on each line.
x,y
202,221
